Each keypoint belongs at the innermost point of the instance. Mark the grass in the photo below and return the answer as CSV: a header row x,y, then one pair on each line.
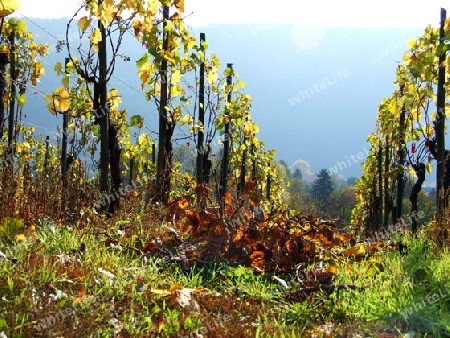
x,y
73,282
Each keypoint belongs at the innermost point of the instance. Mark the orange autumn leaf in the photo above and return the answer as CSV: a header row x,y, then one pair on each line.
x,y
332,269
345,238
228,198
325,239
258,261
358,250
82,291
254,198
151,246
183,203
250,186
77,301
202,190
20,236
291,246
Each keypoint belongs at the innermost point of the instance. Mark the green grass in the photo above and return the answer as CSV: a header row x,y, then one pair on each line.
x,y
51,287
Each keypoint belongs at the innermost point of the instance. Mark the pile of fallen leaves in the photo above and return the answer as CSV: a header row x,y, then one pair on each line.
x,y
238,231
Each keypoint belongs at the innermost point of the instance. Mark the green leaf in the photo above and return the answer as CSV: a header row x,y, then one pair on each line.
x,y
3,324
66,80
136,121
143,60
22,100
21,26
123,222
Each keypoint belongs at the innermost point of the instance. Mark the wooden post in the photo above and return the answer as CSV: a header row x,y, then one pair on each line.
x,y
3,63
47,144
440,127
64,136
163,164
379,211
241,184
401,162
12,102
226,144
386,190
254,166
104,111
420,170
131,170
201,150
153,153
268,186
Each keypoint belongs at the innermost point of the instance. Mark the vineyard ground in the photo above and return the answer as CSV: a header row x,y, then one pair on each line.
x,y
64,281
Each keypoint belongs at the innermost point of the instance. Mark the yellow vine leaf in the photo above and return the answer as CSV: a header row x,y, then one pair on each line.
x,y
22,147
187,119
412,43
447,25
84,23
38,71
114,100
137,26
357,250
153,7
59,101
176,90
411,171
22,100
176,113
179,4
58,68
176,17
212,77
42,49
8,6
176,77
107,12
95,38
190,43
142,138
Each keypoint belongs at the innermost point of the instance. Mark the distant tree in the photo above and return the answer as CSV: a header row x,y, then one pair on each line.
x,y
322,188
342,203
304,168
297,174
432,194
286,168
186,156
351,180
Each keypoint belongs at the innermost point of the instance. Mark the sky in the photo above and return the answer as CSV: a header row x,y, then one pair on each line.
x,y
329,13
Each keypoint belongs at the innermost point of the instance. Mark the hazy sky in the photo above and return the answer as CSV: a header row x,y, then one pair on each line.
x,y
330,13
